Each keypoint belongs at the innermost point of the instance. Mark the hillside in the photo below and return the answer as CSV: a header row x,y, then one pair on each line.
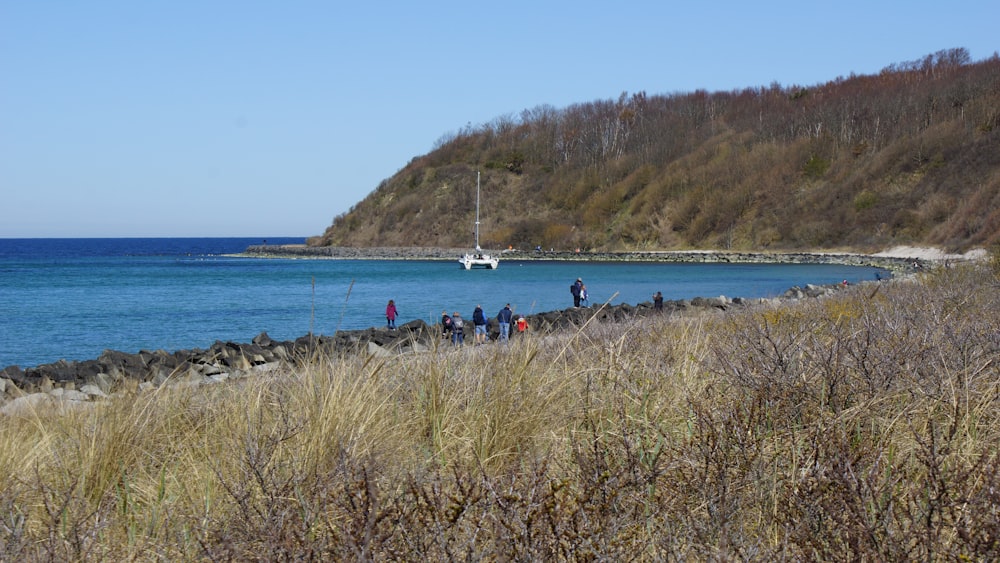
x,y
908,156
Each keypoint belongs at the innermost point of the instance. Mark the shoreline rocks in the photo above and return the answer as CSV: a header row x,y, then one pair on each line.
x,y
89,380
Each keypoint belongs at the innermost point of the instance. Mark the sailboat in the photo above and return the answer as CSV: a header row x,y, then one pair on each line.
x,y
478,259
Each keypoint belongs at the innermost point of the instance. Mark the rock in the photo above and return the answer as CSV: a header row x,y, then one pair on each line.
x,y
188,382
720,302
378,351
210,370
417,325
27,404
103,382
217,378
93,391
267,368
262,339
160,378
12,390
13,373
71,395
239,363
794,293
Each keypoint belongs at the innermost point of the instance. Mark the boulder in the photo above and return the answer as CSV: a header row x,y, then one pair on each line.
x,y
263,340
93,391
378,351
69,395
25,405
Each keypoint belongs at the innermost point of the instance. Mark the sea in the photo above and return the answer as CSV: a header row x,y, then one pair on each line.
x,y
71,299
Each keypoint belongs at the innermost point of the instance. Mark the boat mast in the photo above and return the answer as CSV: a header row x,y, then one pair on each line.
x,y
477,211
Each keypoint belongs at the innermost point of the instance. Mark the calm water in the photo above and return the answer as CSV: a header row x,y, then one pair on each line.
x,y
74,298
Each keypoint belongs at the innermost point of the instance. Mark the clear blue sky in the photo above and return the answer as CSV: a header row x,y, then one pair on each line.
x,y
248,118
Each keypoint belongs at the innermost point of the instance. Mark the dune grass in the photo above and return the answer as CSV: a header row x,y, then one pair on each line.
x,y
861,426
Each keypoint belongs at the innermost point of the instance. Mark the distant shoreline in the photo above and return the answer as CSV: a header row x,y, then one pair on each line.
x,y
263,351
896,262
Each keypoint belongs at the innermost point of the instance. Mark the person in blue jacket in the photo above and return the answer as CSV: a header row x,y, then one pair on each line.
x,y
503,319
479,320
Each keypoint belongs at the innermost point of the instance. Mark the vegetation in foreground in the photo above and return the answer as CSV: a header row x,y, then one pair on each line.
x,y
861,426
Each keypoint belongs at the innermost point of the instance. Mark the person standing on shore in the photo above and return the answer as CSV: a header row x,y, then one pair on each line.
x,y
584,296
457,329
390,314
576,289
445,325
503,319
658,302
479,321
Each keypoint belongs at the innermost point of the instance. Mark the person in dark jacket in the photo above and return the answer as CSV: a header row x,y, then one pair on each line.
x,y
479,320
658,302
445,325
577,290
503,319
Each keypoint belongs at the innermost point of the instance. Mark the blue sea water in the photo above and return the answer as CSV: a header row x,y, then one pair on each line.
x,y
74,298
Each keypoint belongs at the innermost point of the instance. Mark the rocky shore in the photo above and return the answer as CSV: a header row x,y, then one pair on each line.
x,y
75,383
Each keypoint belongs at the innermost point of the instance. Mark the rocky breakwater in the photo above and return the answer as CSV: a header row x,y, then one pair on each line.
x,y
352,253
895,264
892,263
72,384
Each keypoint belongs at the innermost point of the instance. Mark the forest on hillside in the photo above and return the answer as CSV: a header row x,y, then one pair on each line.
x,y
910,155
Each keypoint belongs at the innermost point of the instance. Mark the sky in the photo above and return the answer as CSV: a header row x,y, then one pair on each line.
x,y
264,119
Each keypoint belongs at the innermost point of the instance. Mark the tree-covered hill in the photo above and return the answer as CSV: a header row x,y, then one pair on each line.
x,y
908,156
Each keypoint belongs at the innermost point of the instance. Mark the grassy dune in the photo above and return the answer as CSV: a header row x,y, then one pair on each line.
x,y
862,426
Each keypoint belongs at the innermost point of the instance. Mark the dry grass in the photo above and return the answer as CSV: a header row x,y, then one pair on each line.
x,y
862,426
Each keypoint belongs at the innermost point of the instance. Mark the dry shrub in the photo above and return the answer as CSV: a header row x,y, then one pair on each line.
x,y
884,400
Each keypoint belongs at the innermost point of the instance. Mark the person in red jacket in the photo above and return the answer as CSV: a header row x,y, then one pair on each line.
x,y
391,314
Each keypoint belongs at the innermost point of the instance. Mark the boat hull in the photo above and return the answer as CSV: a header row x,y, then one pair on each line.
x,y
470,261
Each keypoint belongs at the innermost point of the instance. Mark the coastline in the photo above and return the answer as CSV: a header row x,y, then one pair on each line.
x,y
898,259
86,380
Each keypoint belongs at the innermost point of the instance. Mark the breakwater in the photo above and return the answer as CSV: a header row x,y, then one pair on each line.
x,y
895,264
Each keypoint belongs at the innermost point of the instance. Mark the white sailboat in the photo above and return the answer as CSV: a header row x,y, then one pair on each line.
x,y
478,259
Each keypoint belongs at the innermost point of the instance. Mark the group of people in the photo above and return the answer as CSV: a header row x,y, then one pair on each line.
x,y
453,326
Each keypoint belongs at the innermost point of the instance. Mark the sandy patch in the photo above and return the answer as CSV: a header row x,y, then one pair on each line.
x,y
928,253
